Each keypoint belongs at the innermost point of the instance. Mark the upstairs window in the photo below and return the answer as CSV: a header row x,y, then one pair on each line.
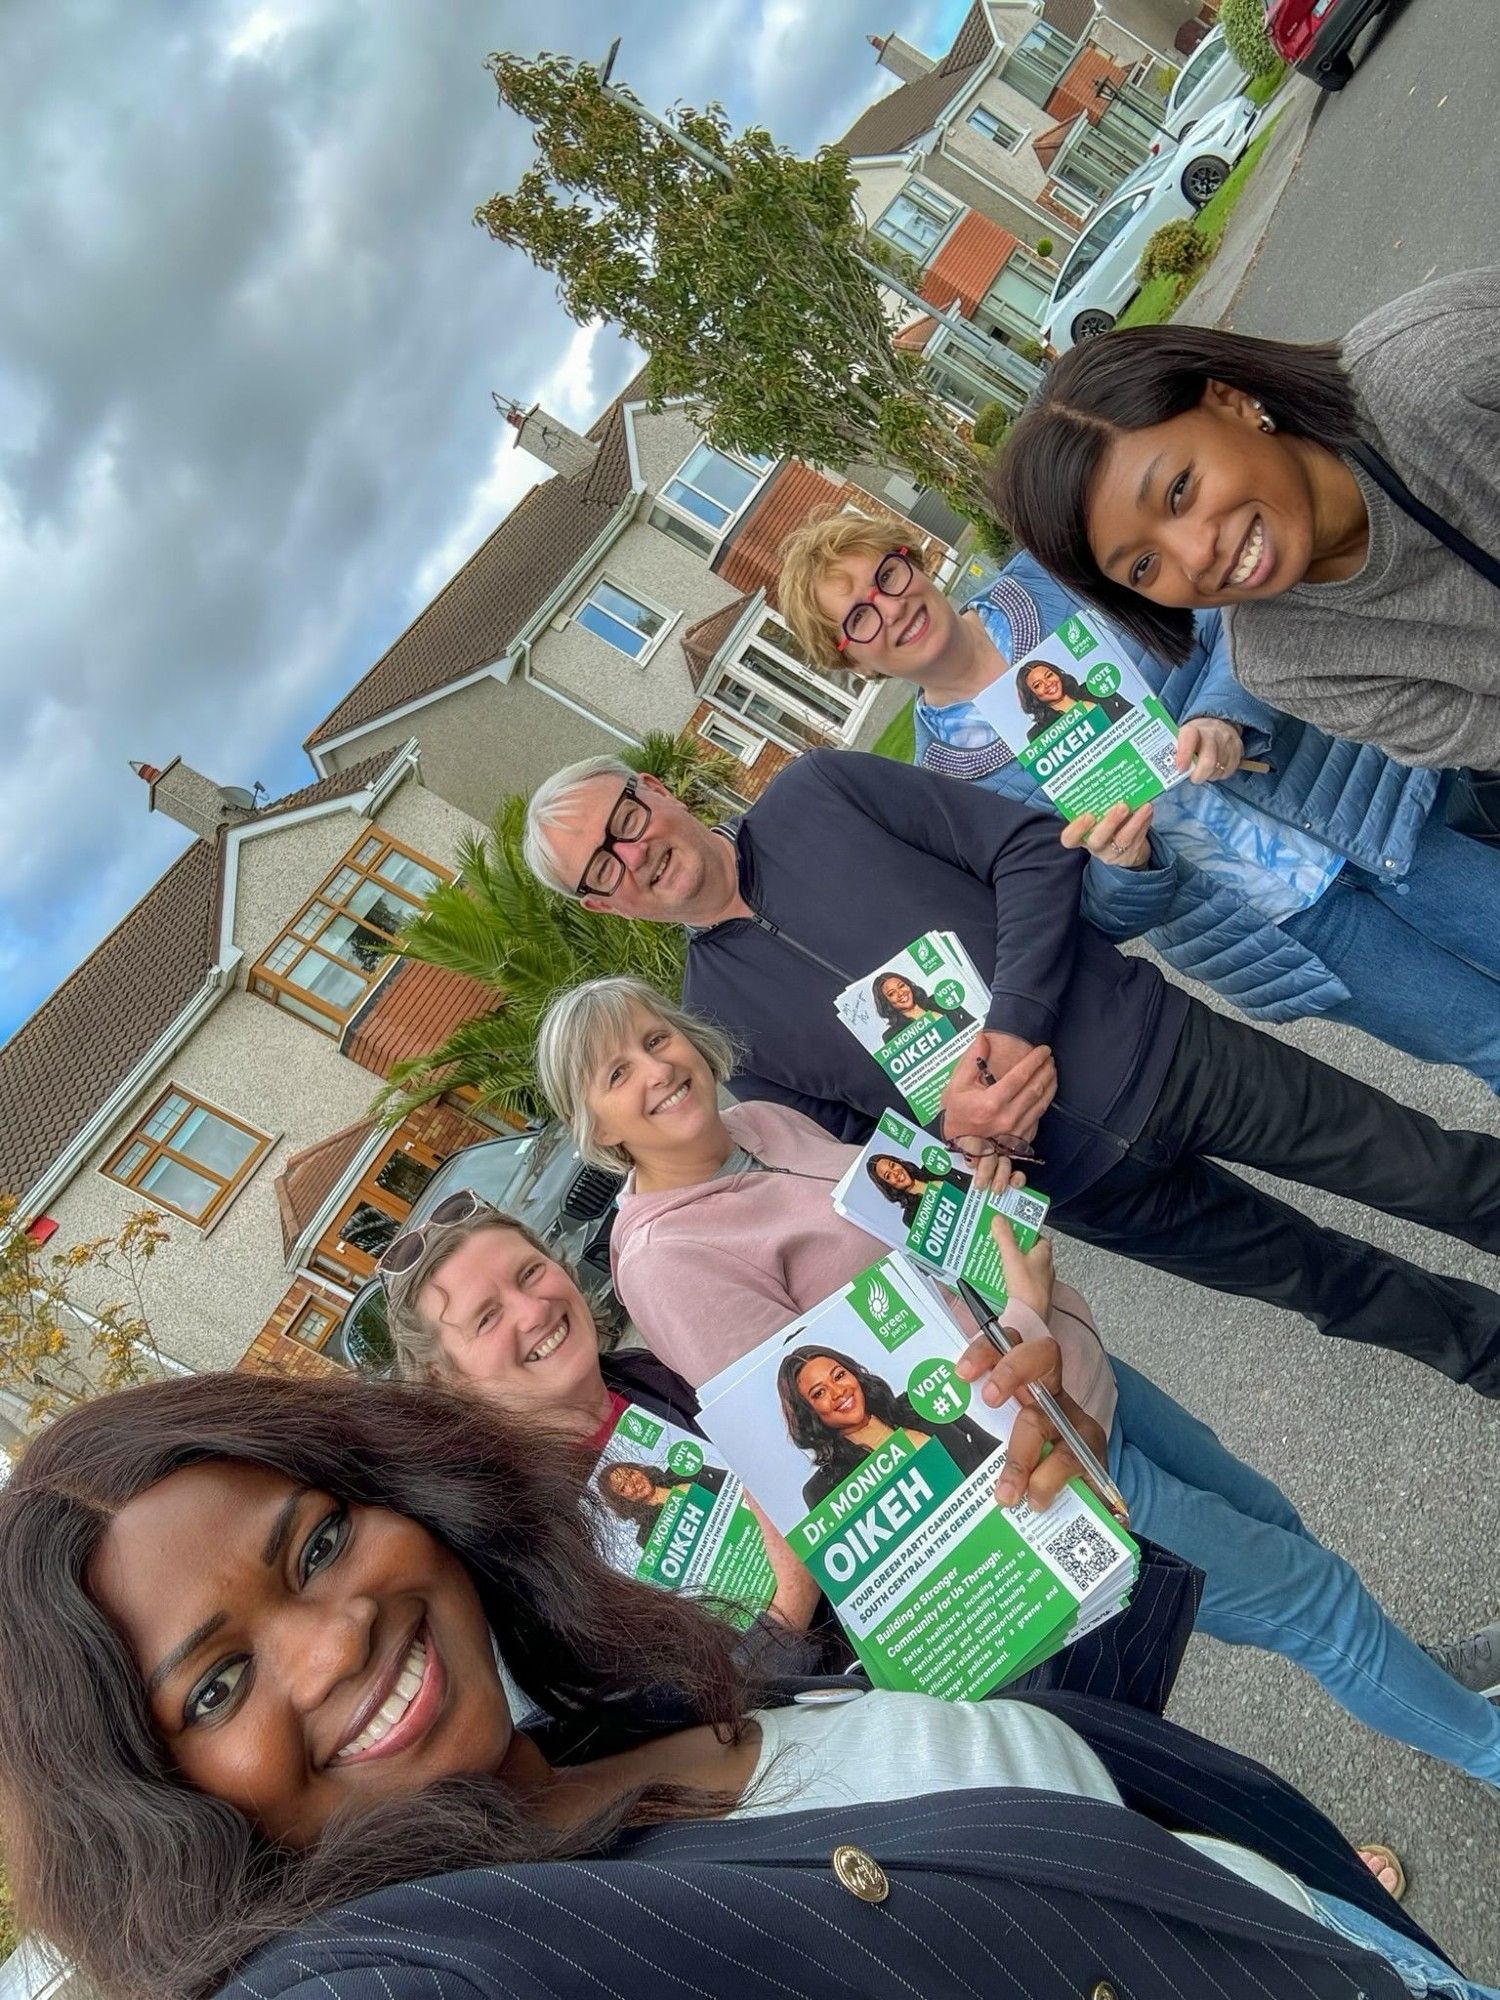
x,y
622,621
188,1157
330,955
990,125
714,485
917,220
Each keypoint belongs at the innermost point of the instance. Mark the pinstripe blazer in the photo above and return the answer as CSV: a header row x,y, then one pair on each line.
x,y
994,1895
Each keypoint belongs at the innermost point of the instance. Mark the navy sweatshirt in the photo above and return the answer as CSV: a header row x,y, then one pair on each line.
x,y
845,860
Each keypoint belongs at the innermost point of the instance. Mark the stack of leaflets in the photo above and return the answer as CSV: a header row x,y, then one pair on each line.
x,y
1083,722
917,1013
905,1190
674,1515
878,1463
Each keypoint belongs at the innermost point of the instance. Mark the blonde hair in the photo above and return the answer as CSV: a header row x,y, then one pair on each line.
x,y
809,556
416,1339
575,1035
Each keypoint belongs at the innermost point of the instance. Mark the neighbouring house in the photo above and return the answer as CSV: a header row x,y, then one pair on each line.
x,y
215,1058
1010,138
634,590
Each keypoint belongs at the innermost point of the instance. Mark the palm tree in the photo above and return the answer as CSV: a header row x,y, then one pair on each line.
x,y
497,925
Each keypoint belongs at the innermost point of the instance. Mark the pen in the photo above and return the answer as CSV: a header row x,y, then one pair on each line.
x,y
999,1336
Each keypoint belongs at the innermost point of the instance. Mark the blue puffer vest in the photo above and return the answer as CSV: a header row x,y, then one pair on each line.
x,y
1364,804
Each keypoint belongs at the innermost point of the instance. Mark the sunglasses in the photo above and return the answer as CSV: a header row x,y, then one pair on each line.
x,y
402,1252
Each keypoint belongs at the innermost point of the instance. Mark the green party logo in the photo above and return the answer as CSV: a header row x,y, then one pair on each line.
x,y
936,1392
926,955
882,1308
685,1459
639,1428
893,1128
1077,637
1103,679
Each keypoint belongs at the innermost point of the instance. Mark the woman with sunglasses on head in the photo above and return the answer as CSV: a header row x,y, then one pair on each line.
x,y
1326,885
727,1233
255,1739
477,1302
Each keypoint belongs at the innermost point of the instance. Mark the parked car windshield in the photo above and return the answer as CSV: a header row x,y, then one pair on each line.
x,y
1197,67
1092,244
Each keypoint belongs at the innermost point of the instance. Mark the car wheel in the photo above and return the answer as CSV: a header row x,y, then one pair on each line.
x,y
1089,325
1202,180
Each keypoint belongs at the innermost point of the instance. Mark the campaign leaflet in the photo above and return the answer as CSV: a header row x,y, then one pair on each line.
x,y
911,1194
1082,721
674,1515
878,1463
916,1013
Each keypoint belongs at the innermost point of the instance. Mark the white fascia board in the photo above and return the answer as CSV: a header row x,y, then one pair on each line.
x,y
217,982
364,804
347,1181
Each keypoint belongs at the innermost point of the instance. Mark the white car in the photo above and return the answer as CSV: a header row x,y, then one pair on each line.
x,y
1099,279
1206,79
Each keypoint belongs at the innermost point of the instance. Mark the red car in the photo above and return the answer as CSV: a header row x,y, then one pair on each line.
x,y
1315,36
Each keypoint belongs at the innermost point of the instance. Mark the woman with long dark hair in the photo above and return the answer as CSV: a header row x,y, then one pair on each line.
x,y
251,1706
899,1002
636,1493
1311,492
905,1185
840,1412
1047,693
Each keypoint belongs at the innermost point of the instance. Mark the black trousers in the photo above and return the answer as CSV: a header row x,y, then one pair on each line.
x,y
1234,1093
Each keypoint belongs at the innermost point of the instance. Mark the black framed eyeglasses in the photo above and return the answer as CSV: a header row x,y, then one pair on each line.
x,y
865,621
400,1255
628,819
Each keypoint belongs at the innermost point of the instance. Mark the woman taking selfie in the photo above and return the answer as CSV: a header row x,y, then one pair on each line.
x,y
727,1233
253,1730
1326,885
1340,503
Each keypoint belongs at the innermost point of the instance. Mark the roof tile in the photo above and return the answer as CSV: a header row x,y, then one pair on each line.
x,y
967,264
893,122
309,1177
702,641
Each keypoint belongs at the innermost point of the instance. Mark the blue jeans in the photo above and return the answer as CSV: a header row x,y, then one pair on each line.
x,y
1270,1583
1420,957
1419,1970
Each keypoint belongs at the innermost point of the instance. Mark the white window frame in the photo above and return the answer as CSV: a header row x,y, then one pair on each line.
x,y
694,536
716,537
818,724
917,191
1022,132
735,736
648,652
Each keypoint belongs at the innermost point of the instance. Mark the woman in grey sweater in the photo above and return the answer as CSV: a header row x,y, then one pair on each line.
x,y
1171,469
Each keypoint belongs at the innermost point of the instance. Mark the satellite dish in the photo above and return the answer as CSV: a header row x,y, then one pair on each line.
x,y
237,796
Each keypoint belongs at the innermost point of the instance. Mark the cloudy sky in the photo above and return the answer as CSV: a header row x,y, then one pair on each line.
x,y
247,339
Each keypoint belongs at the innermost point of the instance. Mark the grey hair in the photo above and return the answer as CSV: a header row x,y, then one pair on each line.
x,y
550,802
575,1035
418,1340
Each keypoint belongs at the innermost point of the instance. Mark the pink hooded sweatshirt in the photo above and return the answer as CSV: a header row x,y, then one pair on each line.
x,y
710,1271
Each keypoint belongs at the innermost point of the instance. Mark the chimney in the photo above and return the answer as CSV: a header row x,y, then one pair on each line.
x,y
549,439
194,801
892,52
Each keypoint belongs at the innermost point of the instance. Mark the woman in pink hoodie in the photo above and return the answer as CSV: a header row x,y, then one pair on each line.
x,y
727,1231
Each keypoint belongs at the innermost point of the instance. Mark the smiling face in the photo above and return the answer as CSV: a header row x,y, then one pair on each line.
x,y
897,992
1205,509
513,1325
652,1094
893,1174
630,1483
832,1394
919,628
302,1655
679,871
1044,681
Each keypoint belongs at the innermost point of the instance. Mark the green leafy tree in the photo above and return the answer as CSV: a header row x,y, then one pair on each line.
x,y
73,1322
747,292
499,926
1244,25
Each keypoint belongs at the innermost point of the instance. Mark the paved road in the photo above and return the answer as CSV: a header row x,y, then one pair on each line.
x,y
1393,180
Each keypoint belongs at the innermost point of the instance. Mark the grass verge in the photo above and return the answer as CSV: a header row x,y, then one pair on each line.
x,y
1263,88
898,740
1157,300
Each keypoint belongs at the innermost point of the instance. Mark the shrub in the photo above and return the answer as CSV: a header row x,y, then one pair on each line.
x,y
991,536
1176,250
991,425
1244,25
1044,246
1029,350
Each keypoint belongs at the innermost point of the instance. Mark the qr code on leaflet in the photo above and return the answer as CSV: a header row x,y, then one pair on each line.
x,y
1082,1553
1163,761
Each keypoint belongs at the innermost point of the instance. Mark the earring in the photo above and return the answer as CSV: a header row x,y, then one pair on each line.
x,y
1267,422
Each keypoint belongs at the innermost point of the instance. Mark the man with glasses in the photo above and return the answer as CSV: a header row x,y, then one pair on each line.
x,y
1125,1092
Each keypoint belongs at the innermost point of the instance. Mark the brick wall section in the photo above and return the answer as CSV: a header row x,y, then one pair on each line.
x,y
751,557
443,1127
1075,87
1069,217
274,1352
414,1008
970,260
752,779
